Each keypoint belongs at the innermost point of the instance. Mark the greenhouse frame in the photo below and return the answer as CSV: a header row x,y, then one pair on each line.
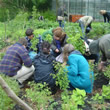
x,y
83,7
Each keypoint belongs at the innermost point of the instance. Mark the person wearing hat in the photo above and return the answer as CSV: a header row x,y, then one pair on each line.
x,y
16,63
59,40
102,44
106,15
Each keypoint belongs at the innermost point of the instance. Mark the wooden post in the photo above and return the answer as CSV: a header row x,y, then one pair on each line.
x,y
12,95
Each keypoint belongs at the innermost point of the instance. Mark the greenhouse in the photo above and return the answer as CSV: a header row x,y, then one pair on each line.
x,y
84,7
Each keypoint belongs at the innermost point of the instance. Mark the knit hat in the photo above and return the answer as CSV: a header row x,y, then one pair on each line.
x,y
94,46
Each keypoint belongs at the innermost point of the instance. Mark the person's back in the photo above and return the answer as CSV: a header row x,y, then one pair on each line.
x,y
15,56
44,66
60,12
79,73
16,63
86,20
104,45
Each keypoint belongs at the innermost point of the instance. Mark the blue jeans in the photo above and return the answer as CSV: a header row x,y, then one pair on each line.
x,y
81,24
61,24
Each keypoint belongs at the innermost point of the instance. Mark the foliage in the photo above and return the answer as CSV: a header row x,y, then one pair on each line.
x,y
107,71
48,38
98,30
61,76
106,91
24,5
35,13
2,43
5,102
1,56
105,94
98,98
50,15
39,95
77,42
72,102
35,40
72,29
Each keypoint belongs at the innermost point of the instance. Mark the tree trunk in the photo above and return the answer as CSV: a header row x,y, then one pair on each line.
x,y
57,5
13,96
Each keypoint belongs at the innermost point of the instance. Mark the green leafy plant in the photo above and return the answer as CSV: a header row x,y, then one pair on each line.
x,y
72,102
39,95
48,38
107,71
98,98
5,102
106,91
1,55
35,13
61,76
50,15
77,42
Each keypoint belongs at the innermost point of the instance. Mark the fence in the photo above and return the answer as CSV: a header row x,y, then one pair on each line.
x,y
84,7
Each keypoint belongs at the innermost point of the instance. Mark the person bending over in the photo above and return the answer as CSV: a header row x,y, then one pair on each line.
x,y
78,69
16,63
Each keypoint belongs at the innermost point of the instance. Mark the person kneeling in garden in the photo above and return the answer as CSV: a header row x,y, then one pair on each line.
x,y
17,63
44,66
59,40
29,36
77,68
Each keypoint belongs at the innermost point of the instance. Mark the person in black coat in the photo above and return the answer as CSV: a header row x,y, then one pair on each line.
x,y
106,15
44,66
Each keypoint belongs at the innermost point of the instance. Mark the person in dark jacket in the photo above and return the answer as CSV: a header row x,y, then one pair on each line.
x,y
61,13
29,36
102,44
106,15
59,40
17,63
44,66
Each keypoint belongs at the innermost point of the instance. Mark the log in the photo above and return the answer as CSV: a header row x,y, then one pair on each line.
x,y
13,96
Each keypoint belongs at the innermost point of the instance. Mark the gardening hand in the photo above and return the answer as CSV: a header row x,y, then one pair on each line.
x,y
56,50
101,66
